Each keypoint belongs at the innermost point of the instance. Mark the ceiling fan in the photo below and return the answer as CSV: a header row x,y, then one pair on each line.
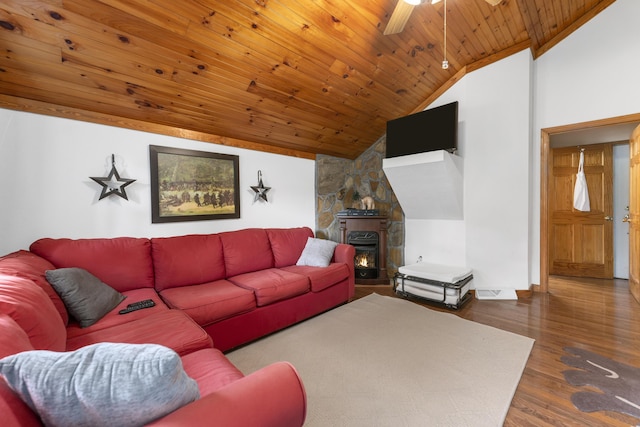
x,y
403,10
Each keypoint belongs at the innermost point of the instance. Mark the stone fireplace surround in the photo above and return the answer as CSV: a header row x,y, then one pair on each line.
x,y
336,181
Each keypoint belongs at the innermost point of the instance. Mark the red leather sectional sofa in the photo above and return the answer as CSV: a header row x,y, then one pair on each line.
x,y
212,292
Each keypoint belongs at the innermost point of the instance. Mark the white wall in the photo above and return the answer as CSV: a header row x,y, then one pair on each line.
x,y
591,75
498,159
45,191
492,239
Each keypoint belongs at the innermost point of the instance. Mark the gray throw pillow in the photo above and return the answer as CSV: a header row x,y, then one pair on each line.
x,y
317,252
86,297
105,384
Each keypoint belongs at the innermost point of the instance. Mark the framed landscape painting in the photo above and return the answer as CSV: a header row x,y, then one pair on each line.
x,y
189,185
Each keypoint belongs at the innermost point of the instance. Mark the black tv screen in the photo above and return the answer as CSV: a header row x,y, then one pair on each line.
x,y
428,130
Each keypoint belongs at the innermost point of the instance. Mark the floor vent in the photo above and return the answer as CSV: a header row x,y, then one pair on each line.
x,y
496,294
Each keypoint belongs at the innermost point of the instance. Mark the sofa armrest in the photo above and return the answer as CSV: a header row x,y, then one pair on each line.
x,y
274,396
14,412
345,253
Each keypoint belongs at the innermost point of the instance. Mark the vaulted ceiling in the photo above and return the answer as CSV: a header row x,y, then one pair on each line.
x,y
294,77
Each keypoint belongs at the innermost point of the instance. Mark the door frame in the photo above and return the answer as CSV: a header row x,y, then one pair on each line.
x,y
545,147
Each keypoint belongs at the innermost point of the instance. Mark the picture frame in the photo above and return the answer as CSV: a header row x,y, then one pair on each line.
x,y
189,185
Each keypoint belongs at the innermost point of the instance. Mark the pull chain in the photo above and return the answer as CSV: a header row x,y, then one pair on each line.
x,y
445,63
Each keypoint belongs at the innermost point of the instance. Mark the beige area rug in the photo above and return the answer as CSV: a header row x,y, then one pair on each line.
x,y
383,361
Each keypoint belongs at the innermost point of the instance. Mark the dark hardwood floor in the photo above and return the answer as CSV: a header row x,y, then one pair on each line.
x,y
592,314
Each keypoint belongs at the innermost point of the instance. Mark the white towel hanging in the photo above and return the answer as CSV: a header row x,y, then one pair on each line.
x,y
580,191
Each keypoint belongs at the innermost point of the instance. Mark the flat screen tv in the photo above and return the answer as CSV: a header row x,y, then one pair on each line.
x,y
428,130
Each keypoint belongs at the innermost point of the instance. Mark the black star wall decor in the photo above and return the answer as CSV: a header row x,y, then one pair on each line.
x,y
260,189
112,183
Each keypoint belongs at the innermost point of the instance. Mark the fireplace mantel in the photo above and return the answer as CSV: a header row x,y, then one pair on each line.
x,y
376,224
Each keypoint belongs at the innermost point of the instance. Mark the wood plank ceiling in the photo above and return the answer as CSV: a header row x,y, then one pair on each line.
x,y
297,78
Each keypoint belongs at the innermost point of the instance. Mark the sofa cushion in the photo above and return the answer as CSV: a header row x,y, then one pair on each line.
x,y
122,262
30,266
187,260
287,244
170,328
272,284
101,385
246,250
322,278
13,339
317,252
86,297
114,318
31,308
211,370
210,302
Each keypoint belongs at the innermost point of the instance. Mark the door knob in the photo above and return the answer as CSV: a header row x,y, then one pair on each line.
x,y
608,218
625,218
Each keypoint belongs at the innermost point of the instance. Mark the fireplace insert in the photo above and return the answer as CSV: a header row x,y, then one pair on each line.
x,y
366,259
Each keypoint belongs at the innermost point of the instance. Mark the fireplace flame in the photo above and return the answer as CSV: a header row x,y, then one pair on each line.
x,y
363,261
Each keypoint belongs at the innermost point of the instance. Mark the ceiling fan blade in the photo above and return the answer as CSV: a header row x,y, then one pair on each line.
x,y
399,17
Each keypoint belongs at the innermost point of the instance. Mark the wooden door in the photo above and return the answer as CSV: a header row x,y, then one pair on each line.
x,y
581,243
634,214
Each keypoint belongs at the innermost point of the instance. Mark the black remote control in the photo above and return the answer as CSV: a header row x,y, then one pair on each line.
x,y
137,306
